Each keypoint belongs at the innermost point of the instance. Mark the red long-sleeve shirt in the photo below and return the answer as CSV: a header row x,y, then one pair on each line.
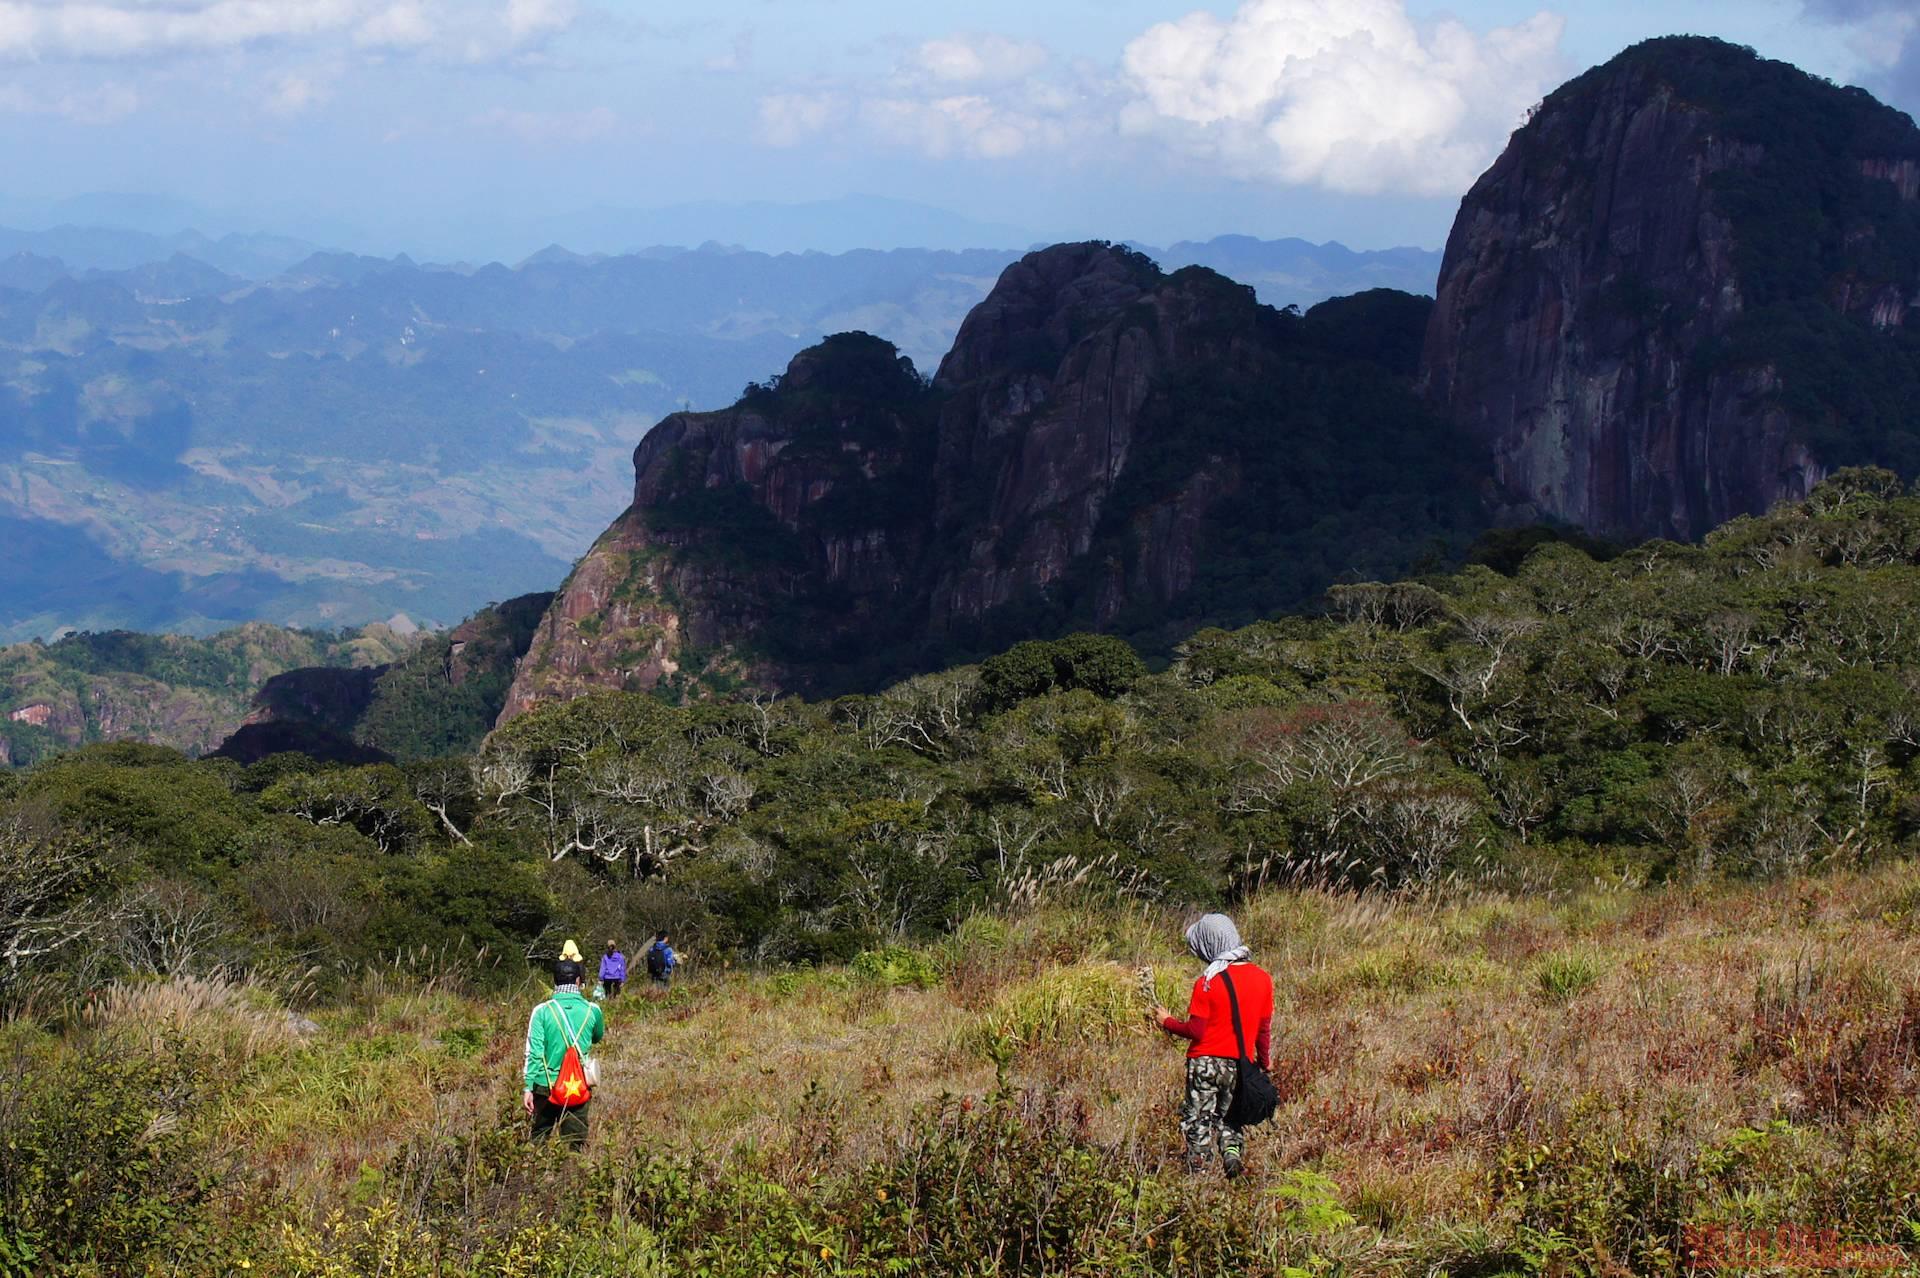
x,y
1209,1024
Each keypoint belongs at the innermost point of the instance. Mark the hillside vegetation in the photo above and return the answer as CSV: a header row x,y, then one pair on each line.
x,y
437,699
1589,1082
1745,707
162,689
368,695
1586,880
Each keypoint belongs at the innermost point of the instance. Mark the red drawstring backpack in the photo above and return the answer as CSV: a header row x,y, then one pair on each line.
x,y
571,1086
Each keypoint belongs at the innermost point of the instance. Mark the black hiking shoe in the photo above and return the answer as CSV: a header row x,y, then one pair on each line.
x,y
1231,1161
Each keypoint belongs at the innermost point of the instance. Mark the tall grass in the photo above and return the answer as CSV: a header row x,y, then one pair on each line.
x,y
1473,1081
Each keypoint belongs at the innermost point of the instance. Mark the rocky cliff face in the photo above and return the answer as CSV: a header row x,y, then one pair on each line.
x,y
1050,384
1647,304
799,511
1100,440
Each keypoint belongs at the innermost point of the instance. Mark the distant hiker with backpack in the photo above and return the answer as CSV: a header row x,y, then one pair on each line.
x,y
1228,1087
661,960
613,970
560,1070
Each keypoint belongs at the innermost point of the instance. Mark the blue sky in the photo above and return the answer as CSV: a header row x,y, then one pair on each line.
x,y
455,127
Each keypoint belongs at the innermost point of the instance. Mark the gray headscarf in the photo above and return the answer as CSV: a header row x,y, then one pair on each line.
x,y
1215,941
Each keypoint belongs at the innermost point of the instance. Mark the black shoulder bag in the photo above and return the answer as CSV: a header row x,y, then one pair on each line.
x,y
1254,1095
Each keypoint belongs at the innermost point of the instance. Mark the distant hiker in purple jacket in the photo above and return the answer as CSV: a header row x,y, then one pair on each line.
x,y
613,969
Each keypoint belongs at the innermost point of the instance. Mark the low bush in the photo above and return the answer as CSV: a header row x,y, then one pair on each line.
x,y
1011,1185
896,966
1087,1002
1470,1085
1593,1198
1561,978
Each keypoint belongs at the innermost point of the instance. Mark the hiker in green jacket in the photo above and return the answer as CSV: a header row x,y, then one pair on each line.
x,y
566,1019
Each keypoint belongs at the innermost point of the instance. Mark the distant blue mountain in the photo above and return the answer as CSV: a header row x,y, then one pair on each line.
x,y
30,272
1299,271
97,248
822,226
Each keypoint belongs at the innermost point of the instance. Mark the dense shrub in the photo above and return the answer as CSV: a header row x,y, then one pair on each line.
x,y
1011,1185
103,1168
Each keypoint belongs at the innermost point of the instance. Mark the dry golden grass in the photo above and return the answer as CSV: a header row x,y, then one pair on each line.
x,y
234,1022
1417,1041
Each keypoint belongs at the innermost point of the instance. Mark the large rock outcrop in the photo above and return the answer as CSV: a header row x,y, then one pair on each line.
x,y
1106,446
1050,382
1679,295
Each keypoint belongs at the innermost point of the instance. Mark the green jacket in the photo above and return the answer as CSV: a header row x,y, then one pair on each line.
x,y
547,1042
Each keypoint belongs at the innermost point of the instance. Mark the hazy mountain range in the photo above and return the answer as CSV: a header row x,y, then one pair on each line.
x,y
199,430
825,226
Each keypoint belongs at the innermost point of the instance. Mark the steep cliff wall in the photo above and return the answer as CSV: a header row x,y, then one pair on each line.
x,y
1106,446
1648,304
1050,383
768,537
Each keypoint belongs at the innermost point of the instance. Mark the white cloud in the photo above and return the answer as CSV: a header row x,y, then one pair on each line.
x,y
55,30
979,59
127,28
572,128
977,95
1349,95
1344,94
1884,38
397,26
531,19
17,25
293,94
788,119
106,104
739,55
971,124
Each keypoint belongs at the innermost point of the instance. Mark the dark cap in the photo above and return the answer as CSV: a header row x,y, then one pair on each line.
x,y
566,972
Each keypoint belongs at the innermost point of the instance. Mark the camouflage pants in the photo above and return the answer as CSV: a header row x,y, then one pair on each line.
x,y
1203,1114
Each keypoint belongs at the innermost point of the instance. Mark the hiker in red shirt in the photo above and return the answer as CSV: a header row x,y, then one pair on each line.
x,y
1218,1043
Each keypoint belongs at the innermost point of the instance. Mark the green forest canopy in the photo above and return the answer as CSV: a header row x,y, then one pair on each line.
x,y
1746,707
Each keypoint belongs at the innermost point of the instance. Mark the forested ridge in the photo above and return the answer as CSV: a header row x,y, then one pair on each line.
x,y
371,694
1108,447
1746,707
